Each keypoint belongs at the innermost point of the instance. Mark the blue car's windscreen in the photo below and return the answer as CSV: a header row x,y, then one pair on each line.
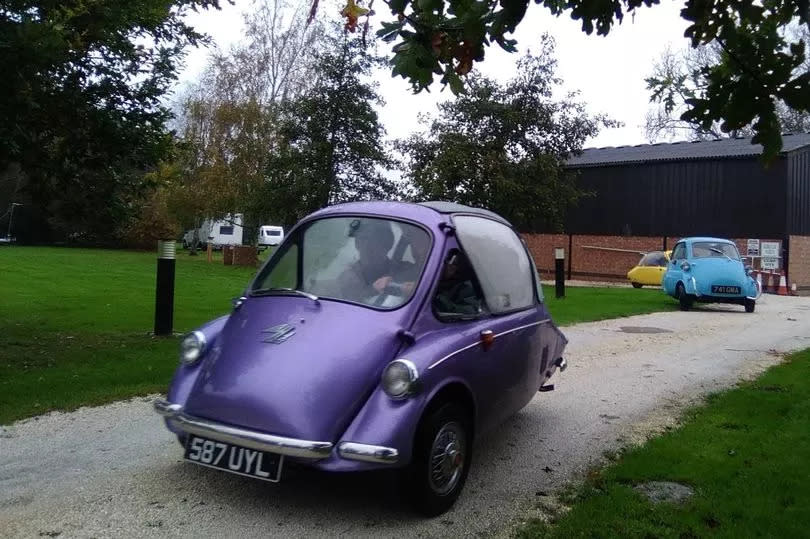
x,y
708,249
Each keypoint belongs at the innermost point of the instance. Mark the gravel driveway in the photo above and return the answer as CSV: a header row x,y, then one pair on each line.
x,y
115,471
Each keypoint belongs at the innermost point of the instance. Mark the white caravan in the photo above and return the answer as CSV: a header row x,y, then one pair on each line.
x,y
227,231
270,236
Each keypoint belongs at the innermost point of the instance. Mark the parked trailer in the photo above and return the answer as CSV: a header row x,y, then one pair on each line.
x,y
220,232
270,236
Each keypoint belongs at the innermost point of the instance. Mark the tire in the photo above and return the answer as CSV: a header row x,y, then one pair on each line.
x,y
637,285
750,305
444,435
683,298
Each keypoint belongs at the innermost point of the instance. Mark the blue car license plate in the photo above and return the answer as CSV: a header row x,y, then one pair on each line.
x,y
722,289
234,459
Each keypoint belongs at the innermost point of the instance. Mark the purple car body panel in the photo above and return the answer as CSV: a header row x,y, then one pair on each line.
x,y
323,383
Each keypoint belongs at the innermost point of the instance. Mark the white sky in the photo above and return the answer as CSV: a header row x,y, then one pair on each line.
x,y
608,71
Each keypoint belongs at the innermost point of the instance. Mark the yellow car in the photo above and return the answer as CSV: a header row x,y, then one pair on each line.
x,y
650,269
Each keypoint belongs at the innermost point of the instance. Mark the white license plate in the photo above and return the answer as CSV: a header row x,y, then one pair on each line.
x,y
234,459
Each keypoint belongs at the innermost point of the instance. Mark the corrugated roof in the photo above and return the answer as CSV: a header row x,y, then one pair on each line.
x,y
678,151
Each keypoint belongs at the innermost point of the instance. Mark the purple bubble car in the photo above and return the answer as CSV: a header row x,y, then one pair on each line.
x,y
378,335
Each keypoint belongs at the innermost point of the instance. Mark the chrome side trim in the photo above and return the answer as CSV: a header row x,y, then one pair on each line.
x,y
544,321
292,447
476,343
368,453
451,354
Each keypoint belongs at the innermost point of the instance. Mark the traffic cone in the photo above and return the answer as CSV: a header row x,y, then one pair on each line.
x,y
759,281
770,287
783,291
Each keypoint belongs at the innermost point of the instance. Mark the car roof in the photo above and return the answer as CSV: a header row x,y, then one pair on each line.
x,y
706,238
429,213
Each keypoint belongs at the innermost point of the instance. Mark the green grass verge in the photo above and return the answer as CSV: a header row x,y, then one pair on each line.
x,y
745,453
583,304
75,323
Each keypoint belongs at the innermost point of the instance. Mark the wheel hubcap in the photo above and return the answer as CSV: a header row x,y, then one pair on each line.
x,y
447,455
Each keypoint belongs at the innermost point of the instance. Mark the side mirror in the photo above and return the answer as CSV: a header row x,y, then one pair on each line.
x,y
237,302
748,270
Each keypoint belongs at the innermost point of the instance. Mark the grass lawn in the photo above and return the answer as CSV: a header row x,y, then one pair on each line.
x,y
745,454
75,323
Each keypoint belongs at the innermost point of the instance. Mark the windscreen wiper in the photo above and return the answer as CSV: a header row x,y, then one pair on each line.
x,y
283,290
716,250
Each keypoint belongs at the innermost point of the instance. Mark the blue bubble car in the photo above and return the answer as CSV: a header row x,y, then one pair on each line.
x,y
709,270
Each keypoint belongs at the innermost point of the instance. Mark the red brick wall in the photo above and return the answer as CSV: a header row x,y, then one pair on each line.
x,y
593,264
542,248
598,264
799,263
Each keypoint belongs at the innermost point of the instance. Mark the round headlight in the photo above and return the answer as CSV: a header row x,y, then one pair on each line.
x,y
399,378
192,347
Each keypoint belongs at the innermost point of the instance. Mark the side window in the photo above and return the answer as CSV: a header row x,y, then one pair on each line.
x,y
500,262
679,252
284,273
458,294
226,230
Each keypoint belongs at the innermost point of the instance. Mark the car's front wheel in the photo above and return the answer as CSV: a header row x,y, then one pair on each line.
x,y
441,459
750,305
637,285
684,299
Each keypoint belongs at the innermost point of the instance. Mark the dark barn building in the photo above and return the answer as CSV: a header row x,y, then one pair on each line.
x,y
645,197
717,188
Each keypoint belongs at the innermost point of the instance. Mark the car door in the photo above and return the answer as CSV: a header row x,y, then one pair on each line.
x,y
674,272
506,280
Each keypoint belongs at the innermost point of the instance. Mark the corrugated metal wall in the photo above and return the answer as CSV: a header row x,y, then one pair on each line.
x,y
730,198
798,185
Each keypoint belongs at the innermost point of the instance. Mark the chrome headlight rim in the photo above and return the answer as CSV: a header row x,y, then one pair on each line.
x,y
412,384
200,348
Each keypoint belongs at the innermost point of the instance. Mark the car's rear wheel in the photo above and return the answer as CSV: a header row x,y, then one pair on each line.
x,y
684,299
637,285
441,459
750,305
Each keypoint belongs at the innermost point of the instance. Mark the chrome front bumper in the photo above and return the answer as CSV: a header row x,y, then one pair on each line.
x,y
292,447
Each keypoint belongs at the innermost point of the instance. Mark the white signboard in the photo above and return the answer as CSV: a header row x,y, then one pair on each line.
x,y
770,249
753,248
770,263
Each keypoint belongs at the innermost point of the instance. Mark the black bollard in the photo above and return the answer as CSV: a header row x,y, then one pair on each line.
x,y
164,288
559,271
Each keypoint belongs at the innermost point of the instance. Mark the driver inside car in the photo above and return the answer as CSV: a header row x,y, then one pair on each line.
x,y
371,272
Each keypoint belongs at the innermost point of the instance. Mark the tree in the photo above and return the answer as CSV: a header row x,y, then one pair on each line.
x,y
756,72
331,142
228,121
504,146
679,77
81,115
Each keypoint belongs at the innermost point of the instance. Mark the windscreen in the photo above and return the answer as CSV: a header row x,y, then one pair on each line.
x,y
371,261
719,249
